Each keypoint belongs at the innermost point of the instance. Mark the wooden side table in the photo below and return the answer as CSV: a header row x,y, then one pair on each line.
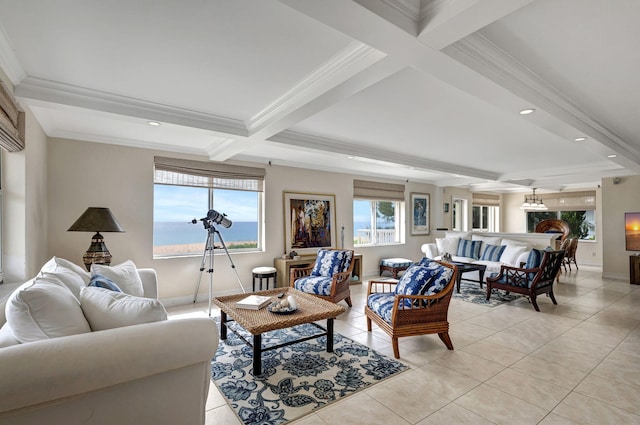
x,y
634,269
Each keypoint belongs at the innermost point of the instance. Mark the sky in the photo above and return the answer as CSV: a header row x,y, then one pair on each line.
x,y
180,203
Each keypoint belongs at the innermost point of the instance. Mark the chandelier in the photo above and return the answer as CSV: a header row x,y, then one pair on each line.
x,y
533,203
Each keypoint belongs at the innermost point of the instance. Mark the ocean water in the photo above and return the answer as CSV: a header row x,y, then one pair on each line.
x,y
174,233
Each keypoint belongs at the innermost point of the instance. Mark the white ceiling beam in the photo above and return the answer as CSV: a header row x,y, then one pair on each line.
x,y
445,22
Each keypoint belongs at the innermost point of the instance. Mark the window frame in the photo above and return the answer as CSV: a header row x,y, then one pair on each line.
x,y
399,219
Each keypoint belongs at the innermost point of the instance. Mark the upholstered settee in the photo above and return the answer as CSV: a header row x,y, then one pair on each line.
x,y
155,371
491,249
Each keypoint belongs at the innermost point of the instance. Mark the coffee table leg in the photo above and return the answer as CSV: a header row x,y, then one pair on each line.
x,y
329,335
481,274
223,325
257,355
458,280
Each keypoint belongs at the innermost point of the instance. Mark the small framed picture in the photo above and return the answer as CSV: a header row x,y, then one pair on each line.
x,y
419,213
446,207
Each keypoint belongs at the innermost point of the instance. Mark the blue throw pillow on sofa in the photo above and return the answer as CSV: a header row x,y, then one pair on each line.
x,y
100,281
493,252
469,249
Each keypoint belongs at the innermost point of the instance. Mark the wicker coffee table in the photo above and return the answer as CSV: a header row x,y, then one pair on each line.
x,y
257,322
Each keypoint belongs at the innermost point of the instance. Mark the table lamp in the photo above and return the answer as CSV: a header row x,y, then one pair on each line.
x,y
96,220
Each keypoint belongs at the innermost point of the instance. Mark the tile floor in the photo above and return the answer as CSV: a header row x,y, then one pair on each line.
x,y
574,363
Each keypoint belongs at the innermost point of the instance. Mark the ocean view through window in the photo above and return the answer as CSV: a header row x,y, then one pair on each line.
x,y
185,190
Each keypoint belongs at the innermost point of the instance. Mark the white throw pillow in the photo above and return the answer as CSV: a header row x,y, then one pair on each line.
x,y
125,275
55,263
511,253
106,309
449,245
43,309
68,277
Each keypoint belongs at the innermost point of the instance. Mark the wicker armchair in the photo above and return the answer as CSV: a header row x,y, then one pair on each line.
x,y
530,280
328,278
570,256
400,314
553,225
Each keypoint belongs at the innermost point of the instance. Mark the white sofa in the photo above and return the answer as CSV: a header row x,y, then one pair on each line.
x,y
151,373
516,251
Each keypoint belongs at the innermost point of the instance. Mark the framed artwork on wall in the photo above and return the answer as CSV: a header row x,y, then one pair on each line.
x,y
309,222
419,213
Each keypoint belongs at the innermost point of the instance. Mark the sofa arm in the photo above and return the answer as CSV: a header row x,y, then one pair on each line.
x,y
61,368
149,282
430,250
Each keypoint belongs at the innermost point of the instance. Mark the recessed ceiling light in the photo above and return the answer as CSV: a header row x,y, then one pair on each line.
x,y
153,123
527,111
580,139
612,155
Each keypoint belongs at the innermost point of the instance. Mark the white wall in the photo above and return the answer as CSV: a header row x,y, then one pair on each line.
x,y
84,174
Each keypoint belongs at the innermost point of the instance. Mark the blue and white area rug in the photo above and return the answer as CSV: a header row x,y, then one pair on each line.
x,y
471,292
296,379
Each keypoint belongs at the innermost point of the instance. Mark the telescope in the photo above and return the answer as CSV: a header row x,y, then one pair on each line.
x,y
214,217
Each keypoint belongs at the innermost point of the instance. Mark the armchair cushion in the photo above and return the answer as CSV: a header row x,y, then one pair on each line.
x,y
382,304
492,252
330,262
318,285
470,249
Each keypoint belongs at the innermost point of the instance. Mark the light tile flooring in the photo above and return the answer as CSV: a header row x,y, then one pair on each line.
x,y
574,363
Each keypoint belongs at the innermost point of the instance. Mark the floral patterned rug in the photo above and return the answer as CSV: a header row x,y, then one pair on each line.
x,y
471,292
296,379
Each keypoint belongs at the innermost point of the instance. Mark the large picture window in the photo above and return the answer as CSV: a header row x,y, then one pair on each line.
x,y
578,209
185,190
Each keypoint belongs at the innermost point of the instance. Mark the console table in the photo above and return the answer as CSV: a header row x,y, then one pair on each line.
x,y
283,267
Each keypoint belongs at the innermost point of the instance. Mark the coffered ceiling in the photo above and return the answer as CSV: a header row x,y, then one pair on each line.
x,y
425,90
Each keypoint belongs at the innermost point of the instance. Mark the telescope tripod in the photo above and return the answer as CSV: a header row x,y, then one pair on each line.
x,y
207,257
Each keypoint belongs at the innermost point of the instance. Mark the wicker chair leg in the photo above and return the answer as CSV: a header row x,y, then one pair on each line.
x,y
368,324
444,336
348,301
396,350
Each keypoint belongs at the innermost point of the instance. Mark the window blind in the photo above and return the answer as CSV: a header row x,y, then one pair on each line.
x,y
486,199
184,172
363,189
11,121
570,201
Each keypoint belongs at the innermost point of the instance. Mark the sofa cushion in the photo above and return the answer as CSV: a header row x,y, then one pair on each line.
x,y
492,252
470,249
7,338
449,245
125,275
329,262
457,234
511,254
43,309
68,277
106,309
99,281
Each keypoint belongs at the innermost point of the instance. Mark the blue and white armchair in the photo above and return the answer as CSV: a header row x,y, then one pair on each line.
x,y
328,278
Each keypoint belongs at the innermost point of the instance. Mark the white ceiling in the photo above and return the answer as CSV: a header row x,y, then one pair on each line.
x,y
425,90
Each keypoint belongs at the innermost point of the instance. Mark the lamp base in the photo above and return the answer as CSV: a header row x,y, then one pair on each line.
x,y
97,252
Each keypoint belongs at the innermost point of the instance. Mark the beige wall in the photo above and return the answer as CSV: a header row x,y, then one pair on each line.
x,y
84,174
616,200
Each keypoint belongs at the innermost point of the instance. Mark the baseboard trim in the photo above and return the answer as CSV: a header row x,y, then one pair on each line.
x,y
615,276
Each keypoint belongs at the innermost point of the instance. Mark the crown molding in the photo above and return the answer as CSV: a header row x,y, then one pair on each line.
x,y
429,9
66,94
8,60
354,58
308,141
483,56
129,143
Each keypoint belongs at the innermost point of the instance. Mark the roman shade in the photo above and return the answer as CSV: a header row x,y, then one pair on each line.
x,y
363,189
571,201
486,199
11,122
184,172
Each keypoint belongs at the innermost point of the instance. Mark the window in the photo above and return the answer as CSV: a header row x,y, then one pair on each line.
x,y
485,219
377,213
576,208
376,222
185,190
581,223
